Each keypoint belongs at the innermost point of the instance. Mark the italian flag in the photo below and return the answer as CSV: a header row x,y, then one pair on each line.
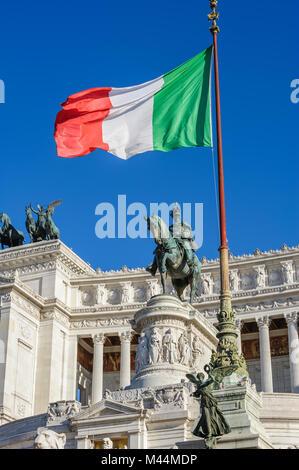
x,y
167,113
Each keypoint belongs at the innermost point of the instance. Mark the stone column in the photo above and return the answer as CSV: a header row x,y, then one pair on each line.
x,y
292,322
97,370
239,325
84,442
71,374
265,354
125,358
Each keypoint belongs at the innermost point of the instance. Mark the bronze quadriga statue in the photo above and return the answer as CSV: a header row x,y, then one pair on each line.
x,y
44,228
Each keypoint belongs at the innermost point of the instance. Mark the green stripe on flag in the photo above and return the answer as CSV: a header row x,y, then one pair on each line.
x,y
182,111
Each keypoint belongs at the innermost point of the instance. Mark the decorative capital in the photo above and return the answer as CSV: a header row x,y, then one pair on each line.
x,y
99,338
125,336
291,317
213,17
263,321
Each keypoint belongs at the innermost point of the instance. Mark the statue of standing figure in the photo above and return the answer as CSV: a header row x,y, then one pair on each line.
x,y
141,353
169,348
44,228
184,349
212,423
154,347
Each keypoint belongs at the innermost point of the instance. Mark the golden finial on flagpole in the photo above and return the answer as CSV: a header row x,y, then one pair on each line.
x,y
213,17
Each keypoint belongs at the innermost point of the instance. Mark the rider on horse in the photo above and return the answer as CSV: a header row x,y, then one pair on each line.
x,y
183,236
182,232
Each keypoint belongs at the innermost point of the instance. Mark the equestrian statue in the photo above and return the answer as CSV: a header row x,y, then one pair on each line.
x,y
175,253
9,236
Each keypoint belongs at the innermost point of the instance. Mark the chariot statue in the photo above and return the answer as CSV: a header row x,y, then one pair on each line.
x,y
9,236
175,254
44,228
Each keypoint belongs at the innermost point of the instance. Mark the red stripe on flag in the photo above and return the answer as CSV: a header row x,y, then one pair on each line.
x,y
78,127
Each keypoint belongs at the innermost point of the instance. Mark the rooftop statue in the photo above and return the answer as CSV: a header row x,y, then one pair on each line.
x,y
44,228
174,254
212,423
9,236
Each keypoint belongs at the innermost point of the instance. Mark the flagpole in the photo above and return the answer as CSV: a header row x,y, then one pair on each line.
x,y
226,359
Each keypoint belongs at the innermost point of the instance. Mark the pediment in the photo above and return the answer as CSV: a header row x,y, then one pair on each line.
x,y
107,408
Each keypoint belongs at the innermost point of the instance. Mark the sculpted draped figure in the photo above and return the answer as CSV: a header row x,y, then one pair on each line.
x,y
141,353
206,283
260,276
102,294
184,349
196,351
234,280
169,348
155,347
212,423
287,272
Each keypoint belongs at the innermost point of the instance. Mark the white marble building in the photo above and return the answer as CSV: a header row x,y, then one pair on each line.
x,y
66,334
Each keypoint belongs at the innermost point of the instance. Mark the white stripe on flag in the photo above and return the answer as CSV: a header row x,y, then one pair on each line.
x,y
128,129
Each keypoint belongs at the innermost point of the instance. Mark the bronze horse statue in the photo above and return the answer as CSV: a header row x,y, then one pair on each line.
x,y
30,225
170,258
9,236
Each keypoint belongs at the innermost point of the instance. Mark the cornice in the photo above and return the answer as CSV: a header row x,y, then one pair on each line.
x,y
41,252
201,302
274,307
99,323
41,309
131,308
235,261
257,255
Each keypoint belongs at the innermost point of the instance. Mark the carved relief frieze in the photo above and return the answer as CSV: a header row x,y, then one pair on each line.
x,y
54,315
234,280
26,332
62,410
101,294
287,270
127,293
25,305
169,397
247,280
140,294
206,284
162,345
108,322
88,296
260,276
114,296
5,298
258,306
153,288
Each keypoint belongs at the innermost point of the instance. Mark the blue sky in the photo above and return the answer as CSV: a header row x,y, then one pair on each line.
x,y
53,49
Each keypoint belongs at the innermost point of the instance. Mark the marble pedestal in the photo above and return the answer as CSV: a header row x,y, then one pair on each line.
x,y
175,339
